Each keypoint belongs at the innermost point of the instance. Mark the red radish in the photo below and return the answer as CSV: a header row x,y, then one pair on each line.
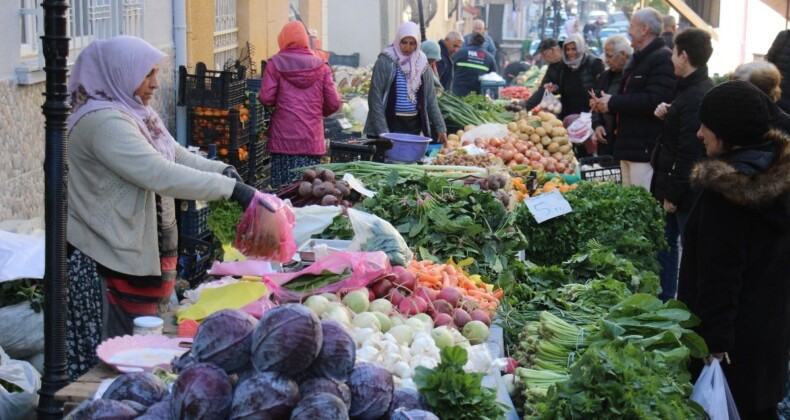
x,y
511,366
428,294
381,287
395,296
442,319
405,280
451,295
460,317
371,296
442,306
412,305
397,270
480,315
469,304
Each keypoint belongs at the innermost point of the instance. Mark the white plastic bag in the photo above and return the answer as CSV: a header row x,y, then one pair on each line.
x,y
550,103
713,394
581,129
485,131
18,405
372,233
21,343
311,220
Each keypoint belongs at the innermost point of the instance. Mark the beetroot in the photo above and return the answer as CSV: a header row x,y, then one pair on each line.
x,y
406,280
412,305
380,288
395,296
442,319
428,295
442,306
461,317
481,315
451,295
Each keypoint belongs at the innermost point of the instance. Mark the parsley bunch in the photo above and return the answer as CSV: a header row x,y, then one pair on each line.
x,y
449,390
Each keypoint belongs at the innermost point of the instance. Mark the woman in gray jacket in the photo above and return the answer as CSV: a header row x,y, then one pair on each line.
x,y
402,98
125,169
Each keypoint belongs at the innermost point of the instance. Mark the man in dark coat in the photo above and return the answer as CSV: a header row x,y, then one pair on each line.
x,y
471,62
617,51
670,27
779,54
450,45
648,80
678,148
735,271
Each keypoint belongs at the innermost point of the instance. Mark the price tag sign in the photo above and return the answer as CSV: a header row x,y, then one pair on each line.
x,y
548,206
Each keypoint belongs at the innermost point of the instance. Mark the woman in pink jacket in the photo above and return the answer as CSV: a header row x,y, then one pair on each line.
x,y
299,85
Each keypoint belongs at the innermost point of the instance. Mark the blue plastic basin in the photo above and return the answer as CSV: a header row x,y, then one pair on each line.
x,y
407,148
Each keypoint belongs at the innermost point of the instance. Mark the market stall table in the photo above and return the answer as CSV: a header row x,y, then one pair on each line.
x,y
80,390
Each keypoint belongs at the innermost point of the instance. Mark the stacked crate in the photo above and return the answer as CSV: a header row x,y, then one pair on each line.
x,y
219,124
260,160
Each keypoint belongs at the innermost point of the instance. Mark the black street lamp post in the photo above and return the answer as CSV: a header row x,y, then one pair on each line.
x,y
56,109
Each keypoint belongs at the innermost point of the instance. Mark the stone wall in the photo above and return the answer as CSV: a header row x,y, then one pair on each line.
x,y
22,142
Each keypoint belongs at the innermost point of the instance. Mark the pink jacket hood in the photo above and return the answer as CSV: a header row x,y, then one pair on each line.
x,y
300,87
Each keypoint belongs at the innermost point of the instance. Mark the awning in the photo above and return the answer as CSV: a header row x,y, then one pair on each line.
x,y
692,17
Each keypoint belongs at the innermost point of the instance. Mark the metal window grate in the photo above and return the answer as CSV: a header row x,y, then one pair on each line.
x,y
226,42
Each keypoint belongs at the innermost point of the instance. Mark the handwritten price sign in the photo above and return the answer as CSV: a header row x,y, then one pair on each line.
x,y
548,206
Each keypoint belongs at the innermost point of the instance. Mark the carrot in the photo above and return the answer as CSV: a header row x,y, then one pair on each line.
x,y
499,293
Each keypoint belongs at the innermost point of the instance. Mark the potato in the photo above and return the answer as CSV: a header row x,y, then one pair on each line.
x,y
460,133
534,138
513,127
540,131
545,140
553,147
469,127
565,148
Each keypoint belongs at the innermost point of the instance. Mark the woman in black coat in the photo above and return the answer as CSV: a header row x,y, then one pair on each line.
x,y
678,148
735,271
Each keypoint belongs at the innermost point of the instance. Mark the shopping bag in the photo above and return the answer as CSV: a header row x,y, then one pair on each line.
x,y
266,234
581,128
550,103
713,394
372,233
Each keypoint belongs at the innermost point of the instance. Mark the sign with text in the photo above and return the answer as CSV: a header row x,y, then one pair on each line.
x,y
548,206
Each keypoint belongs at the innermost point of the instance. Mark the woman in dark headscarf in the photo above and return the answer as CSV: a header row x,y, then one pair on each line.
x,y
124,171
735,271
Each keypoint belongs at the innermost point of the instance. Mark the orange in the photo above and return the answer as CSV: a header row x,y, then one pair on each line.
x,y
223,151
549,186
564,188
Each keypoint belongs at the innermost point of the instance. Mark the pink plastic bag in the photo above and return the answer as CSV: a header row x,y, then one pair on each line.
x,y
265,234
365,267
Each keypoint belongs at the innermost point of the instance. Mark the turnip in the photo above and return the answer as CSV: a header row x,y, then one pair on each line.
x,y
404,334
451,295
384,320
480,315
475,331
442,319
441,335
330,297
358,300
337,312
396,320
412,305
417,325
366,320
381,305
317,304
425,318
468,304
461,317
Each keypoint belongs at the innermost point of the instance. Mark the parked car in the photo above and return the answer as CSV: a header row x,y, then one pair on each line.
x,y
607,32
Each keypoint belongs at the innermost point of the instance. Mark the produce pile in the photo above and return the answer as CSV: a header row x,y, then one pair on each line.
x,y
471,109
538,141
460,157
514,92
351,80
317,187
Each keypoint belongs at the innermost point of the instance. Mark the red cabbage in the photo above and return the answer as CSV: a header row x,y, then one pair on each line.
x,y
224,338
287,340
338,352
202,391
265,396
329,386
371,391
320,406
141,387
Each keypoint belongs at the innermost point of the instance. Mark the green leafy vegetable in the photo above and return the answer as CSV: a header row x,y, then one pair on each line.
x,y
455,394
223,220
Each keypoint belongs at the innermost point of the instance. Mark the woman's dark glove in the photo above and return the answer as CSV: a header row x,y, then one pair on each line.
x,y
231,172
242,194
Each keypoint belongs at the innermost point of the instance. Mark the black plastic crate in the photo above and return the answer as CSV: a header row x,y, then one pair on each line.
x,y
608,170
258,154
194,219
194,258
350,150
228,129
210,88
263,178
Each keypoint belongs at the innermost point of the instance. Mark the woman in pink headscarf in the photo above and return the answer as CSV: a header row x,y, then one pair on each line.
x,y
402,98
125,170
